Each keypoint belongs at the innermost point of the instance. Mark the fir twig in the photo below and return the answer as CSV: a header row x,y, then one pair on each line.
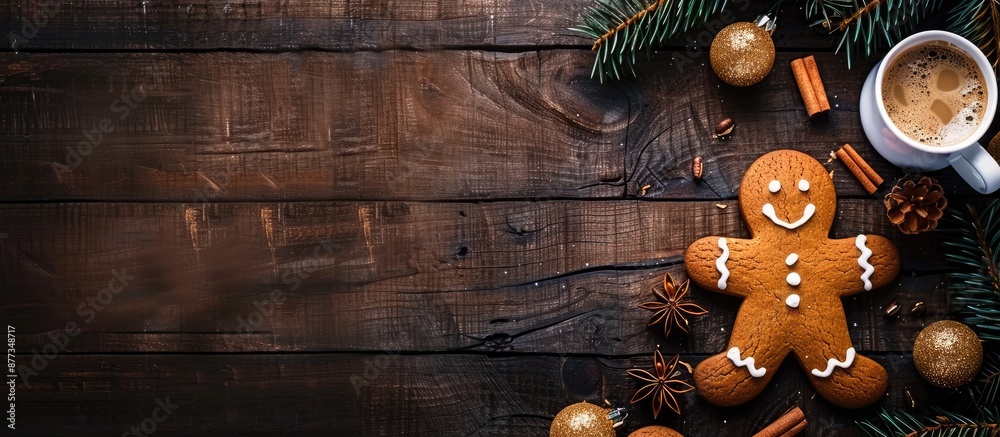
x,y
869,25
972,243
631,20
621,29
990,369
957,429
978,21
860,13
942,423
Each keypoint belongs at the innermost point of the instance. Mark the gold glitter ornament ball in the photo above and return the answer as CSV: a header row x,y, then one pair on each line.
x,y
947,354
742,54
655,431
583,420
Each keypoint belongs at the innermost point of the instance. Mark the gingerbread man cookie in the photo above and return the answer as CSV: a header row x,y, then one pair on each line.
x,y
791,276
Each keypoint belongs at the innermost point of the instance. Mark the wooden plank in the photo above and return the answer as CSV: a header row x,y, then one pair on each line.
x,y
390,394
501,276
233,126
472,125
341,26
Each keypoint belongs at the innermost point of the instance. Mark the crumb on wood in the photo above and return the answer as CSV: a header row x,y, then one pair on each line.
x,y
833,157
721,205
644,188
831,174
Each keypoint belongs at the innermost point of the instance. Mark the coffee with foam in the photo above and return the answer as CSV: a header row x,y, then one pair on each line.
x,y
935,94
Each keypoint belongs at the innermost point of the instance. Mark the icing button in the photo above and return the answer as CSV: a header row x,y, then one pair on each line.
x,y
792,300
791,259
793,279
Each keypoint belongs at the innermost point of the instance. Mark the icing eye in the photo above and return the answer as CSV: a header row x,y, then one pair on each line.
x,y
803,185
774,186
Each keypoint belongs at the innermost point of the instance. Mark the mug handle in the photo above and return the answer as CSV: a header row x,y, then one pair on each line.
x,y
977,167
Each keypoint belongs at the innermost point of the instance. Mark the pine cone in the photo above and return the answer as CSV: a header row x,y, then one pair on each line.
x,y
915,207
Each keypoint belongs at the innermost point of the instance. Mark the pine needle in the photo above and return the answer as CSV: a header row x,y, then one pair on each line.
x,y
623,28
978,21
867,9
941,422
866,26
971,241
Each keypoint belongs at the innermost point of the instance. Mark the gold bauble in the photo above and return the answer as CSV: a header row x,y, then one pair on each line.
x,y
655,431
582,420
947,354
742,54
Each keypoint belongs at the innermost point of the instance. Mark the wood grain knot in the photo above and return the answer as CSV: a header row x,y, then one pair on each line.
x,y
588,104
394,209
498,341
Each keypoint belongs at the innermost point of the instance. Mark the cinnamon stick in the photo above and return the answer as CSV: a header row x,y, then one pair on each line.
x,y
789,424
818,89
805,87
867,169
855,170
810,85
795,430
857,165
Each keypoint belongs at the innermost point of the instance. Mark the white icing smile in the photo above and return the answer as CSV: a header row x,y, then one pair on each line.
x,y
734,356
833,363
806,215
863,261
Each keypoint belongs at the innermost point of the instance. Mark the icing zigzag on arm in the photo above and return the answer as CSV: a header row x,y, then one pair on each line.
x,y
863,261
721,264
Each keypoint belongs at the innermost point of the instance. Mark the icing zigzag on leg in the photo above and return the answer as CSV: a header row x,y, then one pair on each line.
x,y
734,356
833,363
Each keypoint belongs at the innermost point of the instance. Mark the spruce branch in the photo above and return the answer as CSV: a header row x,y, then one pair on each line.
x,y
978,21
976,415
865,26
631,20
621,29
867,9
990,369
971,241
957,429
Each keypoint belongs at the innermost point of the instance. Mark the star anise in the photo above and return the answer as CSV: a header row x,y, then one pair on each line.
x,y
668,309
661,386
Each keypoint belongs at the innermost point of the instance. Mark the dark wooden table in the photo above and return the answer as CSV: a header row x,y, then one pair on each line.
x,y
388,218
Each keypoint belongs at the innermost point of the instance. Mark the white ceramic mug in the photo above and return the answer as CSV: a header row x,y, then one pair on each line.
x,y
970,160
